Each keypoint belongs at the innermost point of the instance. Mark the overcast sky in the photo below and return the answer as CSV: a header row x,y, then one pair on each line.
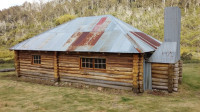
x,y
7,3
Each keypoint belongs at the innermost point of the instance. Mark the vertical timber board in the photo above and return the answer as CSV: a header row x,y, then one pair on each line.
x,y
140,74
17,63
135,73
170,77
56,73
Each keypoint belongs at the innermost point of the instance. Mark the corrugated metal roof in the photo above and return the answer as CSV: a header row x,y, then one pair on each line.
x,y
92,34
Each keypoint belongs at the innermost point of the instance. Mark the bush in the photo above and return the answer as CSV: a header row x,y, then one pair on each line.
x,y
186,56
64,18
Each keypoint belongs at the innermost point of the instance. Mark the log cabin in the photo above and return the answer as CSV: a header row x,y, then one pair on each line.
x,y
104,51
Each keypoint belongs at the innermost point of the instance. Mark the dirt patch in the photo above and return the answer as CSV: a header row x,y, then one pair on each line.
x,y
158,92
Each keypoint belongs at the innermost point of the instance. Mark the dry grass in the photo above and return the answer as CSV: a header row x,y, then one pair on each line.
x,y
20,96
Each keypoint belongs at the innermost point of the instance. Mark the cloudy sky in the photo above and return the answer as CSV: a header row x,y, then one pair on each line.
x,y
7,3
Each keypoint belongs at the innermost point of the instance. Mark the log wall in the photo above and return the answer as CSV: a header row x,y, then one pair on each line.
x,y
166,76
122,70
43,71
118,73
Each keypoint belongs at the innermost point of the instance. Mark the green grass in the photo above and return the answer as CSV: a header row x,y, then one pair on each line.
x,y
19,96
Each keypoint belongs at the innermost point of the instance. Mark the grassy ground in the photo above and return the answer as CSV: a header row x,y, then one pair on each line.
x,y
19,96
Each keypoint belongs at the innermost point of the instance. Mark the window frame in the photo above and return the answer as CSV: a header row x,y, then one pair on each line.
x,y
37,59
93,63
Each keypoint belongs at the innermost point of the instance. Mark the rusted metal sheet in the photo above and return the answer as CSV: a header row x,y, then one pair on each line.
x,y
92,34
147,39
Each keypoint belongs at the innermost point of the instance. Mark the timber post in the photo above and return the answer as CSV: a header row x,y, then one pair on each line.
x,y
56,71
17,63
135,73
140,74
170,77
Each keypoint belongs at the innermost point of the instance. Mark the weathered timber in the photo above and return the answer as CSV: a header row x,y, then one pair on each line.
x,y
98,84
159,72
159,76
158,65
170,79
97,77
160,87
107,75
160,80
159,83
180,71
56,68
135,73
98,81
160,68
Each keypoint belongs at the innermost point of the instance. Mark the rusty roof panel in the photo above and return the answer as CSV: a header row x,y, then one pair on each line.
x,y
91,34
147,39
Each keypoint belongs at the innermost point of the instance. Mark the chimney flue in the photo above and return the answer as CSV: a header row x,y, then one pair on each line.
x,y
169,51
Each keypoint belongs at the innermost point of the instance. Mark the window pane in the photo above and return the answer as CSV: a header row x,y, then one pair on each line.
x,y
90,60
83,59
87,65
100,63
91,65
104,61
83,64
36,59
95,60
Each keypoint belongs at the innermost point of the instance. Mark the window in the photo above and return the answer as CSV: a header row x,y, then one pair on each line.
x,y
87,63
36,59
93,63
100,63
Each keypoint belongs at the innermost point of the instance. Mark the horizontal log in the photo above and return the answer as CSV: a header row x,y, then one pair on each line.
x,y
159,80
107,75
67,63
39,78
175,89
99,84
159,72
158,65
176,81
160,68
119,69
175,85
159,83
159,76
97,81
35,74
97,77
119,65
68,69
71,72
160,87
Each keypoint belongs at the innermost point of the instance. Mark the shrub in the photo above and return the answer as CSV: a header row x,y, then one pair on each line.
x,y
186,56
64,18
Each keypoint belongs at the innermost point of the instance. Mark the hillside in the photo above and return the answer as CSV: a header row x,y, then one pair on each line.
x,y
22,22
